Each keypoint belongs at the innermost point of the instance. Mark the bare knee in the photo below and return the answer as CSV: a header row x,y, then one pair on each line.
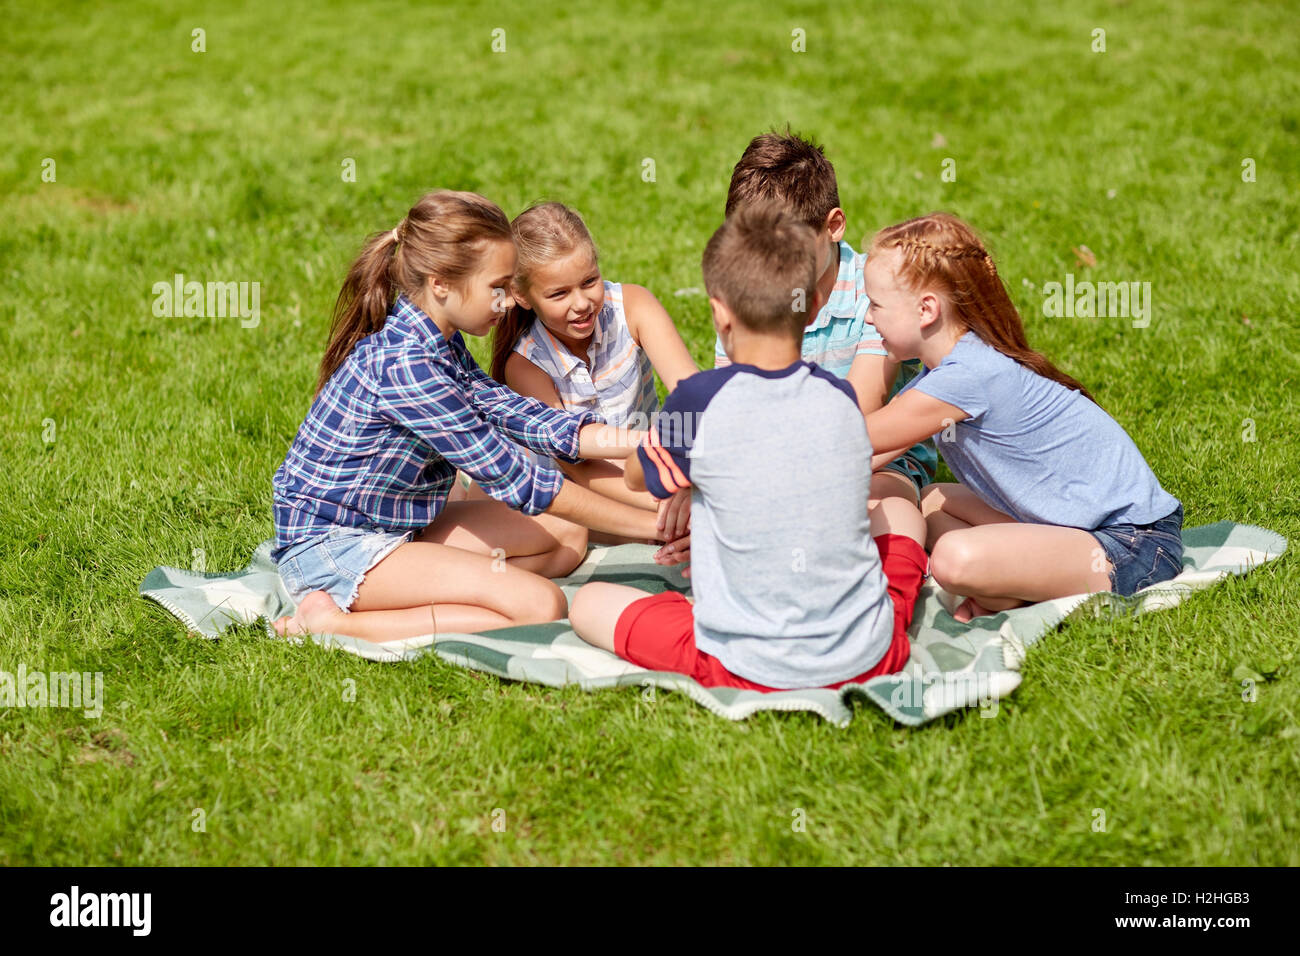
x,y
954,564
570,550
596,609
584,608
892,484
542,602
894,515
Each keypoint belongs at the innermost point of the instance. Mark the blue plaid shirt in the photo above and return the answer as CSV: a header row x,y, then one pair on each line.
x,y
382,441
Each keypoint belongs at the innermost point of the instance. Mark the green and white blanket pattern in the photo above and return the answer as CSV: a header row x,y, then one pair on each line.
x,y
952,665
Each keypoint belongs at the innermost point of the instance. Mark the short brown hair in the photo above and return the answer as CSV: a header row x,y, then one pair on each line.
x,y
787,169
762,264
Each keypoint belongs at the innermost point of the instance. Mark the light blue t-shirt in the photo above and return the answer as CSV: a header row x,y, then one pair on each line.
x,y
789,588
1036,450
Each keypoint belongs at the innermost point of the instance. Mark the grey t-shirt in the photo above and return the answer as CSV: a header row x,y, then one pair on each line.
x,y
1036,450
789,590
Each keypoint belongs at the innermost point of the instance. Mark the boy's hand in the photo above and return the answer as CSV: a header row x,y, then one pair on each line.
x,y
675,516
676,552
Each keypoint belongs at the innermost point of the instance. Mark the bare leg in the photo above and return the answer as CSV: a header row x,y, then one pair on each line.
x,y
896,515
475,568
942,504
424,588
605,477
543,544
998,563
1004,564
604,486
890,484
948,506
596,609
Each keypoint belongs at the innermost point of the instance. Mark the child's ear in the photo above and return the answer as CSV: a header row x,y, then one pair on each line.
x,y
518,294
836,223
437,289
723,320
930,307
721,316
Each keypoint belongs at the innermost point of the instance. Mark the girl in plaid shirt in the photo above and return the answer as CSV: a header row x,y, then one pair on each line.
x,y
366,541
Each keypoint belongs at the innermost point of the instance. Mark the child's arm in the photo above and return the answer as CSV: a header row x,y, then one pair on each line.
x,y
594,441
592,510
633,474
542,428
911,417
674,513
425,398
529,380
673,522
608,441
662,466
653,330
872,376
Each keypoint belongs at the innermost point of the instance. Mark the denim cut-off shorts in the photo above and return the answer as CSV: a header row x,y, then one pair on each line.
x,y
337,561
909,468
1143,554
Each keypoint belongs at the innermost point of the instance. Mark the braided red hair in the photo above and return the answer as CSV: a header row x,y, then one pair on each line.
x,y
942,253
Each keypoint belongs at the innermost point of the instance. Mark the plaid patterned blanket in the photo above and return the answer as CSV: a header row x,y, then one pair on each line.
x,y
953,665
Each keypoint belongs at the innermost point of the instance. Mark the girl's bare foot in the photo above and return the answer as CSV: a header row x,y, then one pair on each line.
x,y
314,616
968,609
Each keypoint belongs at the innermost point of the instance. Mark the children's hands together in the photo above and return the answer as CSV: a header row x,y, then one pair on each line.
x,y
674,515
676,552
674,526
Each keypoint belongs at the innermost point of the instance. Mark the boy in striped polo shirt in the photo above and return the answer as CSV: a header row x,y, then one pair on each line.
x,y
794,172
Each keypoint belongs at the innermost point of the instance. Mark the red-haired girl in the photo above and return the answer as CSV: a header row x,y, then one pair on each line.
x,y
1054,497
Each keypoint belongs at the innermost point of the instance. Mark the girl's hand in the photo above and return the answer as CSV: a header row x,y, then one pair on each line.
x,y
675,552
675,516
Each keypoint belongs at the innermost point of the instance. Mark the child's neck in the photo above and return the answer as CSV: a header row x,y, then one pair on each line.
x,y
436,313
935,347
826,283
577,347
766,351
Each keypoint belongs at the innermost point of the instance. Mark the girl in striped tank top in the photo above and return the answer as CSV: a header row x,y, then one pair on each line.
x,y
580,343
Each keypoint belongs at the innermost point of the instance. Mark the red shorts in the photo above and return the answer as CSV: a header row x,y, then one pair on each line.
x,y
658,632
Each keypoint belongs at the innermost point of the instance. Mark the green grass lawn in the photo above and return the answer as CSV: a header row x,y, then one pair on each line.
x,y
129,440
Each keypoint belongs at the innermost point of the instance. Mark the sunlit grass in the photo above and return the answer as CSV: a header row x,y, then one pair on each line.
x,y
130,441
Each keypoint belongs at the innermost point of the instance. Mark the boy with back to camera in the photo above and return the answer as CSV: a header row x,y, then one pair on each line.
x,y
792,590
793,171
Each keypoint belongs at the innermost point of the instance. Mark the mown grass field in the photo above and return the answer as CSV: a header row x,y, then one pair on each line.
x,y
130,440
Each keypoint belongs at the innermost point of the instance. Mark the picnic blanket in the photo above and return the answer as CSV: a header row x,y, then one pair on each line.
x,y
953,665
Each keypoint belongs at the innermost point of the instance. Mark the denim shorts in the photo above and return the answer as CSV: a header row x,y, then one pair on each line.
x,y
336,562
1143,554
908,467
